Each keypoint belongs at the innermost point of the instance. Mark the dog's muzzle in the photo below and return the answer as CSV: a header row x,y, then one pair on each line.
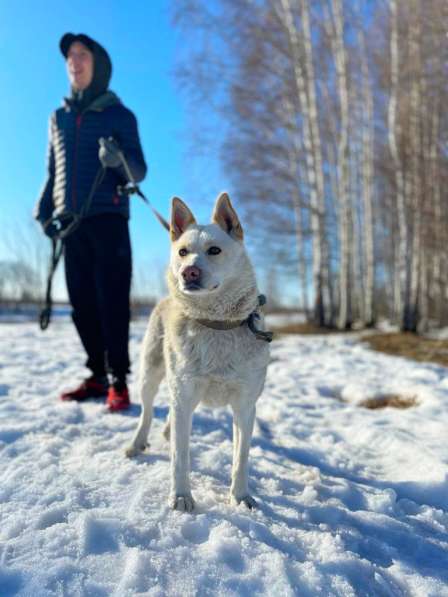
x,y
192,277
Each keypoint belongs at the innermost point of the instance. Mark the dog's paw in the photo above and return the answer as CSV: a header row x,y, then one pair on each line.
x,y
247,500
134,450
182,503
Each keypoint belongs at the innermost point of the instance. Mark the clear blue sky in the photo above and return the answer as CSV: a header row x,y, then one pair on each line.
x,y
142,45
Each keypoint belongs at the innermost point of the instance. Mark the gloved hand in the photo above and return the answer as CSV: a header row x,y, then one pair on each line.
x,y
109,153
50,230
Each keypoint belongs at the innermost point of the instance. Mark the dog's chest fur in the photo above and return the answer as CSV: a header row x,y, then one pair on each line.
x,y
225,362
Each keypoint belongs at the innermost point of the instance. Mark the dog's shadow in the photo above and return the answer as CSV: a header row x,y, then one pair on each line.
x,y
159,412
150,457
205,421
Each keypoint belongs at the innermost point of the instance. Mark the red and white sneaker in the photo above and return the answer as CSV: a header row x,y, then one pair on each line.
x,y
92,387
118,396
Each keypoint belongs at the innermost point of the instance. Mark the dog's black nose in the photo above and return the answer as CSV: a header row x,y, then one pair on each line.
x,y
191,273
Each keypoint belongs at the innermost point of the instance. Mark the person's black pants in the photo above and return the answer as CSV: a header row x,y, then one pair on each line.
x,y
98,269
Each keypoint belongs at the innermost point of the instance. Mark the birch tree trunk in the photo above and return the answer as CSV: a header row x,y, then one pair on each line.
x,y
343,199
411,313
436,285
401,280
295,172
356,272
368,142
311,84
286,18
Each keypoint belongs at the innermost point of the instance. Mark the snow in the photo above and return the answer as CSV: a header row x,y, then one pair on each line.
x,y
352,501
438,334
278,320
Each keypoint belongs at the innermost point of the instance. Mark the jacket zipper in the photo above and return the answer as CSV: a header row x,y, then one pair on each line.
x,y
75,160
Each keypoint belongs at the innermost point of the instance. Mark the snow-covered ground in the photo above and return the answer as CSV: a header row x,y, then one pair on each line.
x,y
277,320
352,501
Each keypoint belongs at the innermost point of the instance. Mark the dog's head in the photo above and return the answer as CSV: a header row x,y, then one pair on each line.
x,y
206,259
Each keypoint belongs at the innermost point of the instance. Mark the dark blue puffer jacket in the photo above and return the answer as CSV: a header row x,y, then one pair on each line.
x,y
73,161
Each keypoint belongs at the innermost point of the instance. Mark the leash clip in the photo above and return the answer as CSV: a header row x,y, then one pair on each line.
x,y
259,334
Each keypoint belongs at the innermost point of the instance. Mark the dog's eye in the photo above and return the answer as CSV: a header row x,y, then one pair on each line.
x,y
214,251
183,252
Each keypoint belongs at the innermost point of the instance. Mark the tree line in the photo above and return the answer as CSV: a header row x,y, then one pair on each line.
x,y
24,272
330,122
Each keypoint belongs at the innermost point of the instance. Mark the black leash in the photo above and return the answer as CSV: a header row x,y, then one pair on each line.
x,y
132,188
45,314
57,242
128,189
255,316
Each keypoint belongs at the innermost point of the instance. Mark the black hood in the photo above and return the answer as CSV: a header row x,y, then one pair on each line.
x,y
102,68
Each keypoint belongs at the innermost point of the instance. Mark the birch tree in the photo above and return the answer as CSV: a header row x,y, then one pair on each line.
x,y
331,127
338,45
286,18
401,278
367,165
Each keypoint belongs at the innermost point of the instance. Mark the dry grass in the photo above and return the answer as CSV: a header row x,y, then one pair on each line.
x,y
302,328
399,344
389,400
410,346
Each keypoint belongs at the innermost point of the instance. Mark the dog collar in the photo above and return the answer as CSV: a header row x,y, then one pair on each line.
x,y
233,324
221,325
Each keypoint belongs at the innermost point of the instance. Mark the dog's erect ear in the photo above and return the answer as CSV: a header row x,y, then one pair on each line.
x,y
225,216
181,218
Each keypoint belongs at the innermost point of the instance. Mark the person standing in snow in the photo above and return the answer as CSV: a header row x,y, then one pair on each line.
x,y
83,177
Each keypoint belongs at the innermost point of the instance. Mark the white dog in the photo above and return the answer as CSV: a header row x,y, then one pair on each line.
x,y
205,339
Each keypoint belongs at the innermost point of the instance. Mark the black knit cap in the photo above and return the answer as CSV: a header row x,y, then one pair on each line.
x,y
69,38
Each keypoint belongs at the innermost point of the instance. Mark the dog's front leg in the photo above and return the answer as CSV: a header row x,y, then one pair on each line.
x,y
181,413
243,424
